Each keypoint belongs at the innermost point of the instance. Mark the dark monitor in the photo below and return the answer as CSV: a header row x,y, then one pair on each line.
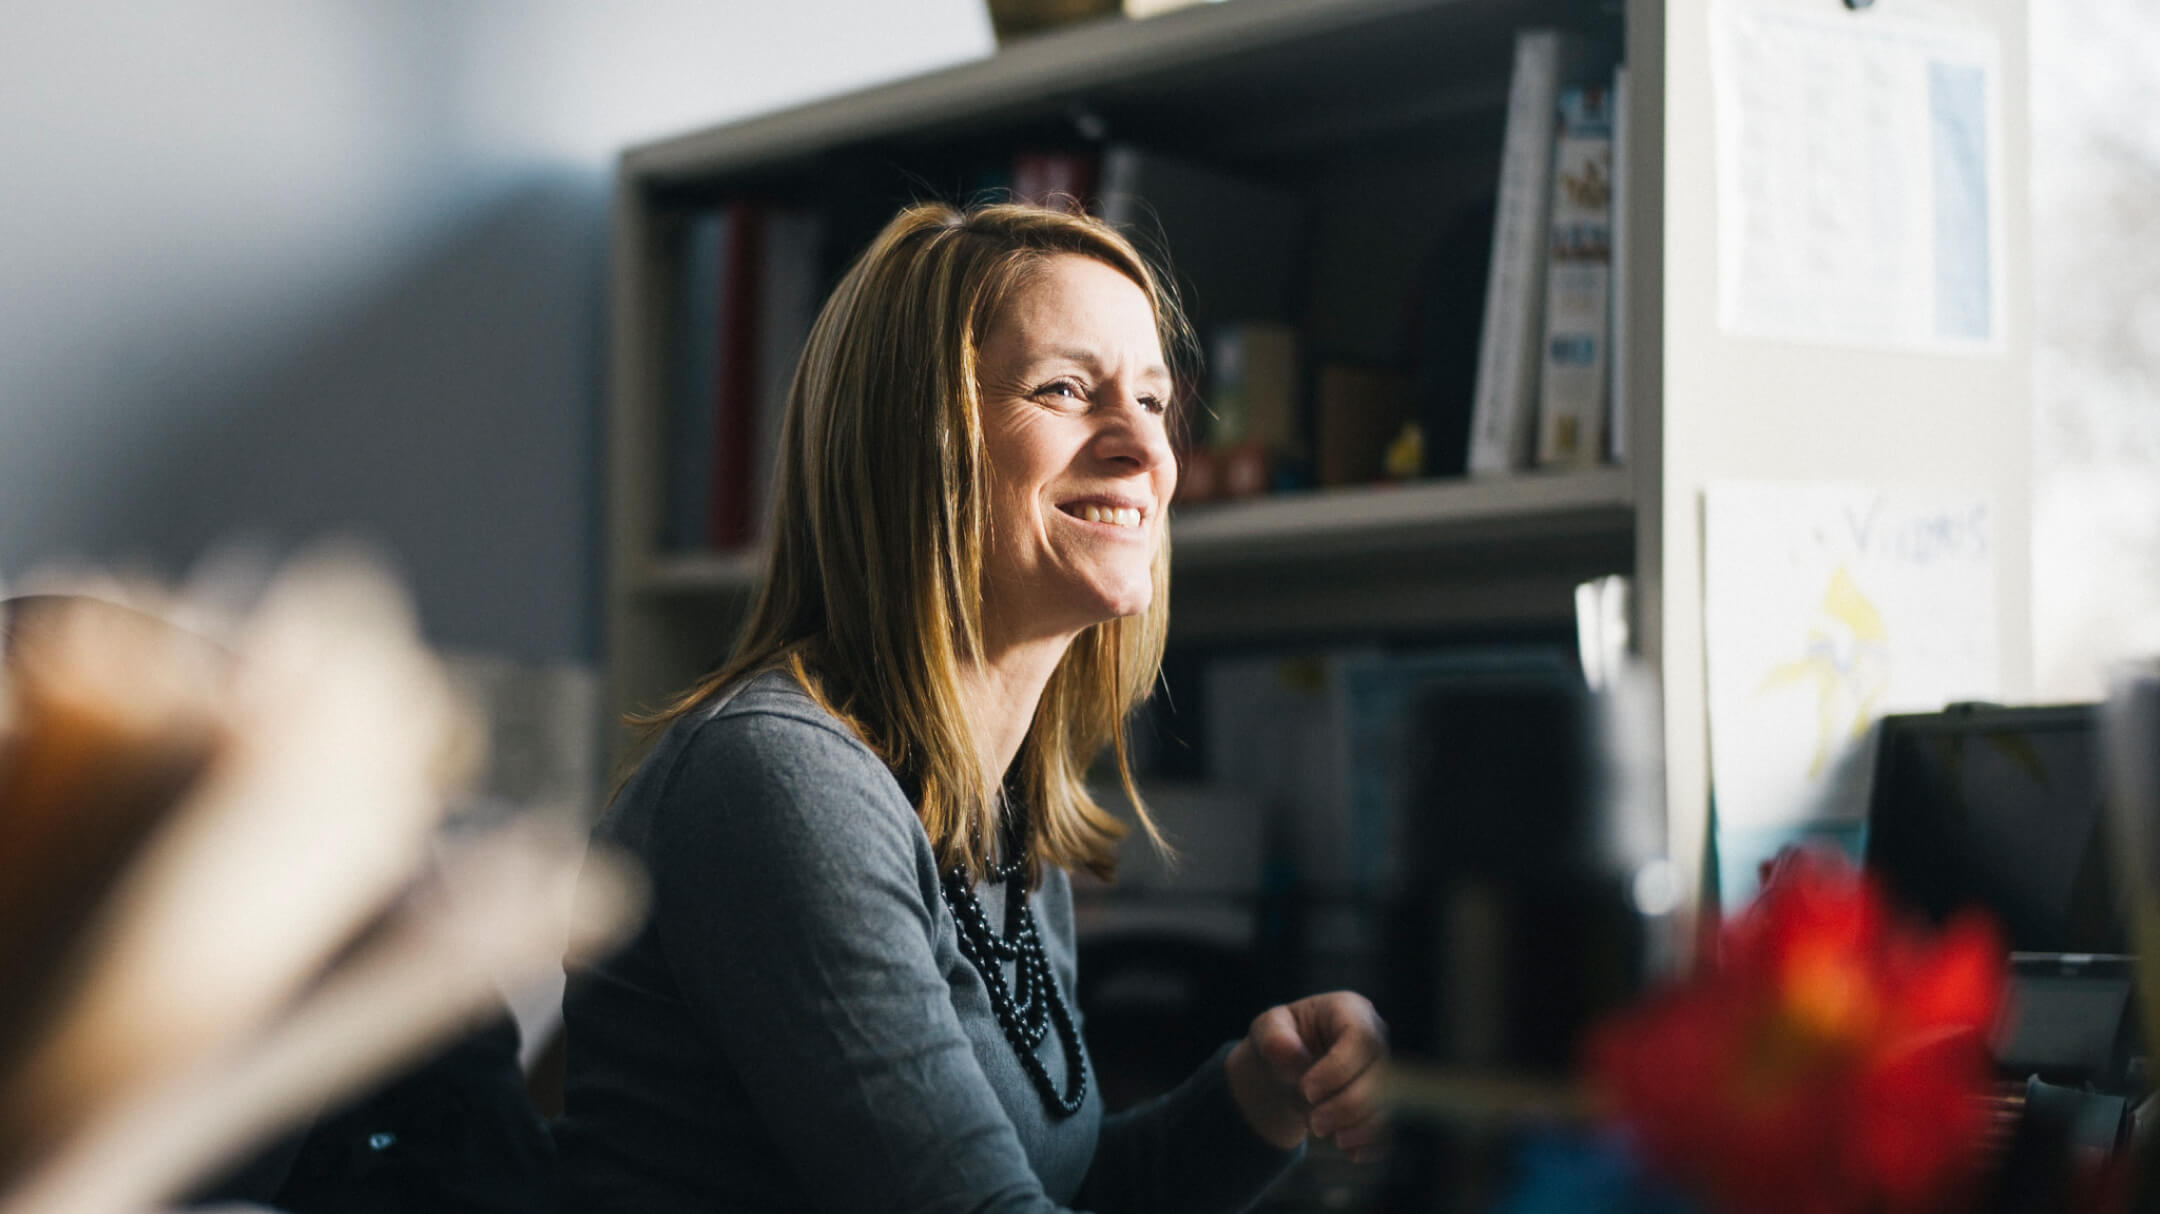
x,y
1997,808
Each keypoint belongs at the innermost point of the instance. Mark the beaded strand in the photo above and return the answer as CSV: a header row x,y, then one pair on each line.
x,y
1031,1004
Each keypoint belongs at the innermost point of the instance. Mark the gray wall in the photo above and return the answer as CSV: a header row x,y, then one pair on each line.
x,y
280,269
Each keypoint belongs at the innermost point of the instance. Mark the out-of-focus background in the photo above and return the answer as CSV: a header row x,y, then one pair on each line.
x,y
279,270
275,271
2096,363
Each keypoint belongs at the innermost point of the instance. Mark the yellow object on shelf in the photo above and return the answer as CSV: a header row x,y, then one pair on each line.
x,y
1405,457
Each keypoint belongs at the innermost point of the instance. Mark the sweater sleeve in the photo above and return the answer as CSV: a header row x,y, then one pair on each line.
x,y
792,894
1187,1151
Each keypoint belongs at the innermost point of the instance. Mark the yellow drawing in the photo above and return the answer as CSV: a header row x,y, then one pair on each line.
x,y
1847,660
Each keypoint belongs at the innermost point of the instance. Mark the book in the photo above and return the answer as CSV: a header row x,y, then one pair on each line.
x,y
693,367
1578,282
789,295
1616,412
734,460
769,269
1052,178
1503,415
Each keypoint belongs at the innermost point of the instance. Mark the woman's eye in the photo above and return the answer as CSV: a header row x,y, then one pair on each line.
x,y
1154,404
1063,387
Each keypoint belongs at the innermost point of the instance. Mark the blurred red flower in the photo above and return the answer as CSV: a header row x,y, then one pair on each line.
x,y
1828,1059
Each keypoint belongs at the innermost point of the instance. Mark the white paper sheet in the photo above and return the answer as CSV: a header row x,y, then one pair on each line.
x,y
1859,176
1824,608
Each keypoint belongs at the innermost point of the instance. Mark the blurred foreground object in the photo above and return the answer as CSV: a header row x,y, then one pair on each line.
x,y
222,904
1826,1059
2130,780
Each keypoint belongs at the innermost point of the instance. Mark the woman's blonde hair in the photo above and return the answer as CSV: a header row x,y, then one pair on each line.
x,y
872,588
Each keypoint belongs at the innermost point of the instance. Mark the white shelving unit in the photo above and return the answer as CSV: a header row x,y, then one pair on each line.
x,y
1370,101
1403,518
1407,520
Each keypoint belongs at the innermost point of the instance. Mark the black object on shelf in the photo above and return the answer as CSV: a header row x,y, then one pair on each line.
x,y
1997,808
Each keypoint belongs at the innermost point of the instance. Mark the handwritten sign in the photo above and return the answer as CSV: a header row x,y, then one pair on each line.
x,y
1826,607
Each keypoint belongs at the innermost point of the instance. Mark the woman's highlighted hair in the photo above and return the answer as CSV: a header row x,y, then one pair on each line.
x,y
871,592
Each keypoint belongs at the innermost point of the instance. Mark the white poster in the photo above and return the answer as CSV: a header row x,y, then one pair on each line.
x,y
1825,608
1859,176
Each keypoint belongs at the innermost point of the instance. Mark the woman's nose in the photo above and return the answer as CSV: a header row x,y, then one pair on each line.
x,y
1130,433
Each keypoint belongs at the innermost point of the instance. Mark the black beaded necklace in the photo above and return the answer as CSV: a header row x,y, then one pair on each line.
x,y
1028,1007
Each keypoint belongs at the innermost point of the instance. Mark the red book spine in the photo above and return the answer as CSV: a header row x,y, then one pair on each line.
x,y
1065,180
735,404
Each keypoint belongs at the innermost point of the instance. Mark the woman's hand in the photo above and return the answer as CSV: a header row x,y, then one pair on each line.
x,y
1313,1067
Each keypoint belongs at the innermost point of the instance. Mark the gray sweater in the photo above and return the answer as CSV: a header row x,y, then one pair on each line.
x,y
795,1028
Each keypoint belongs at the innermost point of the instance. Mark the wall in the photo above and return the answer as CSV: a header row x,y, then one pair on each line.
x,y
1753,409
2096,490
279,269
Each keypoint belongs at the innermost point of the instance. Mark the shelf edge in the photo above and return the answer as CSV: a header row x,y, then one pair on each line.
x,y
1218,534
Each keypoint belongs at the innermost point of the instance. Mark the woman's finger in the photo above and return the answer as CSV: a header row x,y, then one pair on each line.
x,y
1356,1104
1353,1038
1274,1033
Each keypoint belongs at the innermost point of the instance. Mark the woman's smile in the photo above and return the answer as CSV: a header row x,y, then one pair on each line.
x,y
1113,514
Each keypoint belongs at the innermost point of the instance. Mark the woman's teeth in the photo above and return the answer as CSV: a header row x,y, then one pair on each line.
x,y
1118,516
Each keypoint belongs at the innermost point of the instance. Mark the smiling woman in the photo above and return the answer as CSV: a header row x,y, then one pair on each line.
x,y
854,991
1075,418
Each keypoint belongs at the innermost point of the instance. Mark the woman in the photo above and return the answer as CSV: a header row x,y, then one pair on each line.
x,y
854,992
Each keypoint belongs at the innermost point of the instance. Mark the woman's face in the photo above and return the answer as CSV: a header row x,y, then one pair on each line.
x,y
1075,426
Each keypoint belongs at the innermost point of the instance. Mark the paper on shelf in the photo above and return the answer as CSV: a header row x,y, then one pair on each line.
x,y
1859,177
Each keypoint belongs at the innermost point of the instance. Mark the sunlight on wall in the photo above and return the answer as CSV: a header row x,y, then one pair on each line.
x,y
285,268
573,80
2096,176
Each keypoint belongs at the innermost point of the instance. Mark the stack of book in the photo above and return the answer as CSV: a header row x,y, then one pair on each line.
x,y
1510,357
749,286
1548,392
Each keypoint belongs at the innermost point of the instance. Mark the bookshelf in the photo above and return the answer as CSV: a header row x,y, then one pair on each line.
x,y
1408,520
1382,113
